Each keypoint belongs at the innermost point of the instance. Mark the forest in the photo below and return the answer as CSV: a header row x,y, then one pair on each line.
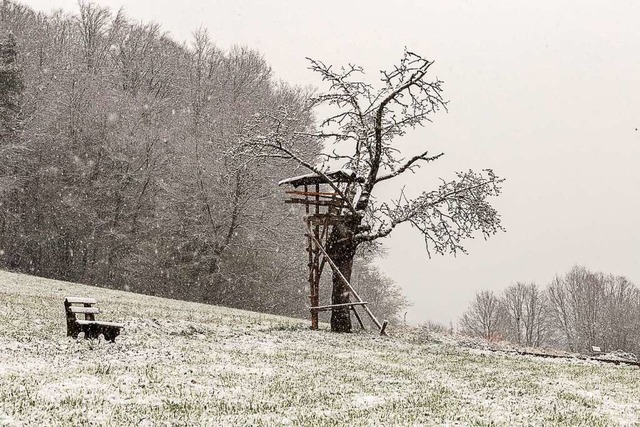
x,y
121,165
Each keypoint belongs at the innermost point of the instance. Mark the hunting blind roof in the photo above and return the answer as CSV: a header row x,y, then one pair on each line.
x,y
341,175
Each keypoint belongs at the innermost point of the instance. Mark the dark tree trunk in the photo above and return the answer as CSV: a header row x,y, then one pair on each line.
x,y
341,249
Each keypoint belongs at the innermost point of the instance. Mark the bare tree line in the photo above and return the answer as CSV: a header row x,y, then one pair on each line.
x,y
122,166
576,311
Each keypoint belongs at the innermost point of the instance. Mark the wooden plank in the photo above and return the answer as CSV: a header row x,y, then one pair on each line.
x,y
315,301
355,312
384,326
313,193
335,203
312,297
324,216
86,310
324,219
95,322
347,304
80,300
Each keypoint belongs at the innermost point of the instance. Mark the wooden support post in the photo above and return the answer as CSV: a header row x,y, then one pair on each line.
x,y
353,308
313,293
332,306
89,316
384,326
316,260
346,282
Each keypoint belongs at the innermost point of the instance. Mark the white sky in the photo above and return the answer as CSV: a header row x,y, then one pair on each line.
x,y
546,93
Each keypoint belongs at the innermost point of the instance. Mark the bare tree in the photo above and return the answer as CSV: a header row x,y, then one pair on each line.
x,y
525,312
97,32
620,324
577,311
576,301
11,100
384,296
361,135
484,316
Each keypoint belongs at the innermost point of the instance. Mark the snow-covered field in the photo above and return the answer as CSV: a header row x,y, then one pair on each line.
x,y
179,363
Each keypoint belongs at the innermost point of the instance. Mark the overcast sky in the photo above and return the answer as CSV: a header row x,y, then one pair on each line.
x,y
546,93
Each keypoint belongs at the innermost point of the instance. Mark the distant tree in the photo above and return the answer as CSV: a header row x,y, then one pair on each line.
x,y
98,31
483,318
13,153
361,134
576,300
525,310
621,321
437,327
384,296
594,309
11,100
577,311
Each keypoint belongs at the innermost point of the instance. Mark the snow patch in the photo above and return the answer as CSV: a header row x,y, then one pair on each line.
x,y
83,386
367,400
6,420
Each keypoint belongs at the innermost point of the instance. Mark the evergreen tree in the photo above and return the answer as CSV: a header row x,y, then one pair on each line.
x,y
11,87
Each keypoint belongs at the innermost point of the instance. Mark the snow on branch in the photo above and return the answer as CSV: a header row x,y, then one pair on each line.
x,y
447,215
359,133
410,165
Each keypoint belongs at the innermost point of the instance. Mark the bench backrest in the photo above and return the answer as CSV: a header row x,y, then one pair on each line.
x,y
80,305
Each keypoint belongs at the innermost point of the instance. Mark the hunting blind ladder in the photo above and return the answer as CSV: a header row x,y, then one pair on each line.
x,y
325,207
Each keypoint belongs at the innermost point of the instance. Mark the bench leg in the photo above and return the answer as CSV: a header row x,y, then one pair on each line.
x,y
72,329
90,331
110,334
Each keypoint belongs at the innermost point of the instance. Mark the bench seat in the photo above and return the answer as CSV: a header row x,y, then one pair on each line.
x,y
96,322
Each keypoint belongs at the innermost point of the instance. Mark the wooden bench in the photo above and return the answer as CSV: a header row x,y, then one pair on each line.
x,y
89,325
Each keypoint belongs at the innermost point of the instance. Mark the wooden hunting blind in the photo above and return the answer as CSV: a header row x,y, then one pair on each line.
x,y
323,196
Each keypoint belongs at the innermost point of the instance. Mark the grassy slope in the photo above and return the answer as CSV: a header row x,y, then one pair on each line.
x,y
180,363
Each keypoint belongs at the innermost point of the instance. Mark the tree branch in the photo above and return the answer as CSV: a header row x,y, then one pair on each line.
x,y
408,165
466,210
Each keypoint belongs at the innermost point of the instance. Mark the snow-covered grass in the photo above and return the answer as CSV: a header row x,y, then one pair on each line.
x,y
179,363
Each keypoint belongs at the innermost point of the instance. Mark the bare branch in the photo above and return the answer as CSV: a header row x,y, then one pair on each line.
x,y
274,143
447,215
408,165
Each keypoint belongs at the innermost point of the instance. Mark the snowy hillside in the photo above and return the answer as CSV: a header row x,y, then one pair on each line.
x,y
179,363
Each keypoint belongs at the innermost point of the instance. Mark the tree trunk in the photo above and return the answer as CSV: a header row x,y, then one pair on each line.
x,y
341,249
